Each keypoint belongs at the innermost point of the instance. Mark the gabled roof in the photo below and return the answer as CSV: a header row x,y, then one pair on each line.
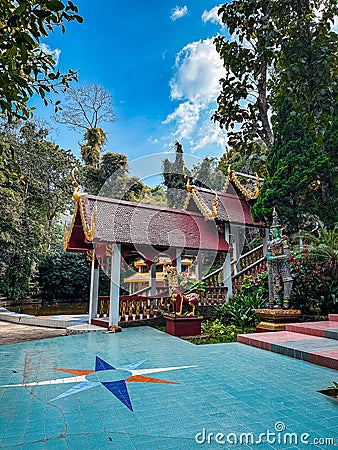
x,y
220,206
105,220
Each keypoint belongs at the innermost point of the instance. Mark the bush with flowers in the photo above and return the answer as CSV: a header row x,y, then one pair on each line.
x,y
314,287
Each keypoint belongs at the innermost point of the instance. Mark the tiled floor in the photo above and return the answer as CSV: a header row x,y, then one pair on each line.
x,y
231,389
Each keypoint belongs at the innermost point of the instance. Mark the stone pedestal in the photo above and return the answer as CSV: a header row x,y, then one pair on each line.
x,y
276,319
183,325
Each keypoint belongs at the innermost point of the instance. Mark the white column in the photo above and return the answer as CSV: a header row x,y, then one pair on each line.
x,y
236,252
179,260
227,263
199,266
94,290
114,304
152,279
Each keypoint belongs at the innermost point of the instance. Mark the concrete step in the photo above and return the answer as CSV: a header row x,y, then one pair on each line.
x,y
327,329
314,349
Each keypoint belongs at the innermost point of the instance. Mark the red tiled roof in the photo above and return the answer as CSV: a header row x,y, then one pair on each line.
x,y
231,207
138,224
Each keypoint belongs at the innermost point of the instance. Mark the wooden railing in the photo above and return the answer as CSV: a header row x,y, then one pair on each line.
x,y
214,296
249,258
135,307
250,263
254,269
214,278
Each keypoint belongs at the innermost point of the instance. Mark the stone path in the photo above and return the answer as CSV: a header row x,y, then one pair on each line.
x,y
11,333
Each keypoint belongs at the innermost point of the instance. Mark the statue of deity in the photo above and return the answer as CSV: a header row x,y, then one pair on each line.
x,y
278,257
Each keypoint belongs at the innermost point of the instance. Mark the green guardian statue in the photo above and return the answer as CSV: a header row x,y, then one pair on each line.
x,y
279,275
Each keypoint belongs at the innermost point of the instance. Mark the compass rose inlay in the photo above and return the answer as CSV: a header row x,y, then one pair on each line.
x,y
114,379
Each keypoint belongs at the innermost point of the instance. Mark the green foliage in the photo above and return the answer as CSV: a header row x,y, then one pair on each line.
x,y
250,160
174,180
314,287
25,69
247,59
64,276
110,179
240,309
215,332
91,150
277,47
29,208
207,174
297,169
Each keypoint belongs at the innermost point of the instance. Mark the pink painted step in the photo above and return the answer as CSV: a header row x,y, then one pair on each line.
x,y
263,340
314,349
333,317
313,328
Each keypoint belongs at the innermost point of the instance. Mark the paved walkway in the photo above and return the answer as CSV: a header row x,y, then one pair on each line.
x,y
12,333
143,389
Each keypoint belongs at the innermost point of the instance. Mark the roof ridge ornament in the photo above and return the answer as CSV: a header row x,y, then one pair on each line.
x,y
248,193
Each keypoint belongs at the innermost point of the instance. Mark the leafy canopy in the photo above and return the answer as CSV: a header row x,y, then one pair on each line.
x,y
25,68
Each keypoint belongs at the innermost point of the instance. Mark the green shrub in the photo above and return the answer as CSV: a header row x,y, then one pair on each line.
x,y
313,287
215,332
240,309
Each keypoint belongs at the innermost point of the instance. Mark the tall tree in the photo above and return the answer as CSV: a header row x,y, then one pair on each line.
x,y
29,208
174,178
86,109
297,168
275,47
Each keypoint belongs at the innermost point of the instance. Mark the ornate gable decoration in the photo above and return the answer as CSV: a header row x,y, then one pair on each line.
x,y
250,190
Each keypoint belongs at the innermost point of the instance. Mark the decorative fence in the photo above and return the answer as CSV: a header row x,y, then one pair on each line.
x,y
254,269
251,263
141,305
135,307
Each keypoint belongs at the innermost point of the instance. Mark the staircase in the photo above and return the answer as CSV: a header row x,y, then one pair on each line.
x,y
251,263
315,342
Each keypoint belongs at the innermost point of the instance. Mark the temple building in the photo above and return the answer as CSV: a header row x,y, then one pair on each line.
x,y
211,228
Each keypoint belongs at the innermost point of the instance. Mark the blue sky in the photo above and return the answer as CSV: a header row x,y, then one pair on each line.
x,y
158,61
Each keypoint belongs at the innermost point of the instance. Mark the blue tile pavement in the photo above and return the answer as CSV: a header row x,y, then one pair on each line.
x,y
231,392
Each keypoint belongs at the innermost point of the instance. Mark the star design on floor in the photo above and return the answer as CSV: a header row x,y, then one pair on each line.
x,y
114,379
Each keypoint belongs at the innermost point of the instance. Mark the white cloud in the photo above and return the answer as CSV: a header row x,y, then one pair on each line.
x,y
55,53
212,16
178,12
198,70
186,116
196,85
